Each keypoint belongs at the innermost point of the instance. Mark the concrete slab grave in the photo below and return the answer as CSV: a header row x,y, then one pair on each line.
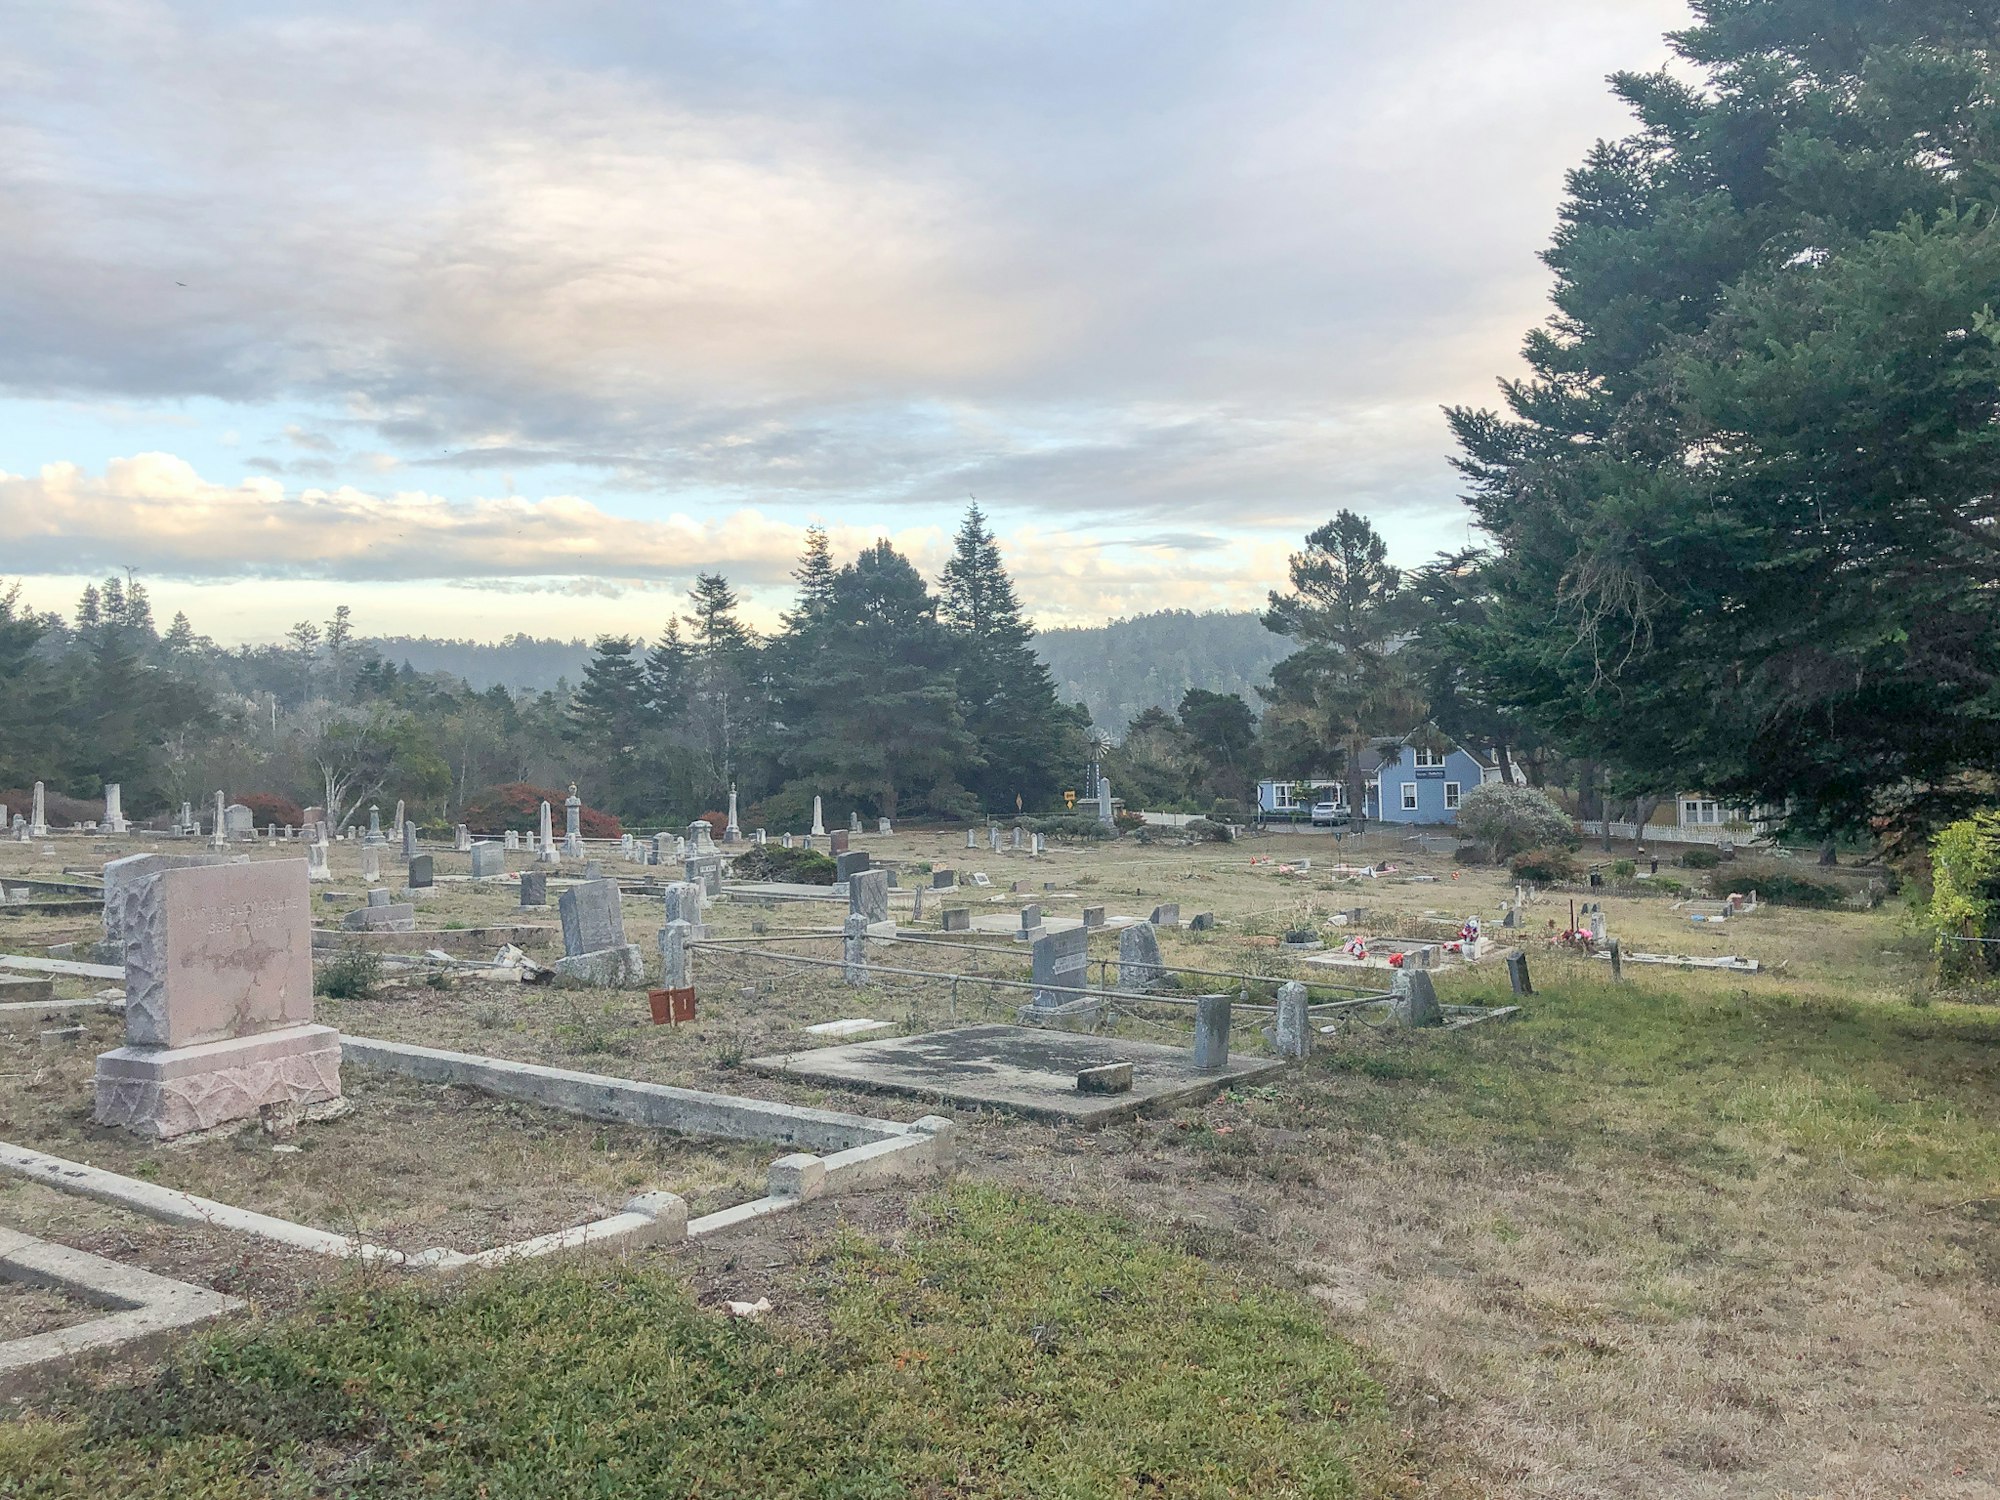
x,y
1025,1070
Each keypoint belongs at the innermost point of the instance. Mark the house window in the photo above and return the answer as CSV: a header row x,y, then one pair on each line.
x,y
1429,757
1451,796
1409,796
1281,797
1699,812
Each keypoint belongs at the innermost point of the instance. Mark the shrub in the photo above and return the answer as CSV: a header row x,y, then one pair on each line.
x,y
1700,859
1228,810
1205,830
1471,854
1126,821
1623,869
776,862
1068,826
351,974
1549,866
267,808
62,811
1779,887
718,824
1512,818
519,805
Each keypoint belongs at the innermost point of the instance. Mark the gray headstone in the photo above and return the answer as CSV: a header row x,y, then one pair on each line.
x,y
534,888
1202,921
1293,1034
410,841
676,962
1093,918
846,865
396,917
1517,974
958,919
1061,960
868,895
593,918
423,871
943,880
488,859
705,870
378,898
1168,915
854,950
1139,964
1211,1033
1416,1001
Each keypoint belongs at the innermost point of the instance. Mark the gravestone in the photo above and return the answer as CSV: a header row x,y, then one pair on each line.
x,y
218,1002
1093,918
534,888
461,840
1014,838
943,880
316,866
971,839
1031,924
220,837
374,824
847,865
488,859
1292,1035
573,824
409,840
1140,967
854,950
371,862
593,869
1202,921
916,901
732,831
882,826
683,905
1061,960
676,959
705,870
958,919
786,841
378,898
121,878
837,844
663,848
114,809
854,822
819,824
512,840
1040,847
760,838
1517,974
868,895
38,825
545,836
1211,1033
423,872
993,838
594,947
386,916
1021,887
1168,915
1415,1001
1104,801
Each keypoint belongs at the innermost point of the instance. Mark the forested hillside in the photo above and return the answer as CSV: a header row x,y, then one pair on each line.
x,y
522,663
1121,669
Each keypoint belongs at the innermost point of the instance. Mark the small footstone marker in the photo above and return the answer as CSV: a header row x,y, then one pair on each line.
x,y
1106,1078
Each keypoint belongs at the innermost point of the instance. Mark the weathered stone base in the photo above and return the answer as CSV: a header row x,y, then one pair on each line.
x,y
163,1092
612,968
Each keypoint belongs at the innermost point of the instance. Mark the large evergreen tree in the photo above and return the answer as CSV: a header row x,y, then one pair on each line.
x,y
878,717
1027,741
1746,510
1341,686
610,717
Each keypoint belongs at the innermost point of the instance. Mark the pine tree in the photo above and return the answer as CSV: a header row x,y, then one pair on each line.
x,y
89,609
878,717
1340,687
815,575
608,719
669,664
721,716
179,638
1026,741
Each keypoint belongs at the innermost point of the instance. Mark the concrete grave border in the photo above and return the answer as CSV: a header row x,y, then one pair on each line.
x,y
143,1308
858,1150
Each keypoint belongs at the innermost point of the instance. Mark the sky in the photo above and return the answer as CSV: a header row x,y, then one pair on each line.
x,y
484,317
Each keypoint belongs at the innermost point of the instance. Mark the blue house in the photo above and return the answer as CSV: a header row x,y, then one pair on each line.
x,y
1418,778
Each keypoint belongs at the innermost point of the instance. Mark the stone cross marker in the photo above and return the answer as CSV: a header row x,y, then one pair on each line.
x,y
1061,960
218,1001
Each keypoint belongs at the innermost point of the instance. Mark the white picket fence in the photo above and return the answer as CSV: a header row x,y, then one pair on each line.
x,y
1653,833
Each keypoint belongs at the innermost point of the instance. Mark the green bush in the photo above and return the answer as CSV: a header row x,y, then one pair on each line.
x,y
1068,826
351,974
1700,859
789,866
1204,830
1510,819
1548,866
1471,854
1623,869
1779,887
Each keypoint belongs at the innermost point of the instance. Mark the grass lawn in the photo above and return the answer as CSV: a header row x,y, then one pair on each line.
x,y
1004,1347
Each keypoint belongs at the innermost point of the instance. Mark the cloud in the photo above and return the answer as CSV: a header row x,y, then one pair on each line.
x,y
1190,266
155,513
